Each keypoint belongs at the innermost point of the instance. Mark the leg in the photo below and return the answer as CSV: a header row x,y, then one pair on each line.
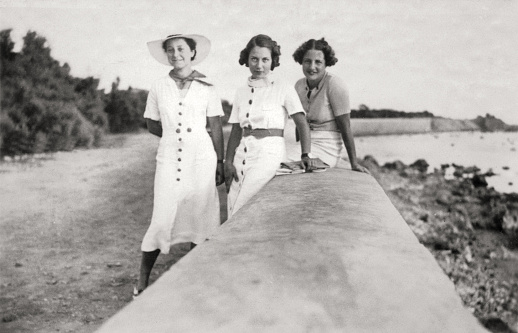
x,y
146,265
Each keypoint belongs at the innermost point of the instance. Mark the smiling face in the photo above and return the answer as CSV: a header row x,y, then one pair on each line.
x,y
314,66
260,62
179,53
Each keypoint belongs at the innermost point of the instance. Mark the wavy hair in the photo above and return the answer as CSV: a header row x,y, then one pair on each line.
x,y
261,41
320,45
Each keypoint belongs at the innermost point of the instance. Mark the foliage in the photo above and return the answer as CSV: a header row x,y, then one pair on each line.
x,y
44,108
125,108
365,112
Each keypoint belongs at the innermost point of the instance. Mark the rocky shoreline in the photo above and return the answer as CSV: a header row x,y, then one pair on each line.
x,y
471,229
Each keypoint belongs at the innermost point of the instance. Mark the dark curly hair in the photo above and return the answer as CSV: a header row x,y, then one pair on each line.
x,y
320,45
189,41
261,41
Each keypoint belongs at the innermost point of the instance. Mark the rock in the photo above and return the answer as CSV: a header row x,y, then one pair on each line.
x,y
460,217
505,167
468,256
479,181
471,169
508,254
443,197
8,318
17,264
396,165
421,165
496,325
115,264
370,163
449,172
510,220
370,159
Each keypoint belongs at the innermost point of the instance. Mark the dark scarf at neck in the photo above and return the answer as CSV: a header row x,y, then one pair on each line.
x,y
194,76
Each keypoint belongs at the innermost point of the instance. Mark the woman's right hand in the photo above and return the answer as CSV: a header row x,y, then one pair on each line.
x,y
230,174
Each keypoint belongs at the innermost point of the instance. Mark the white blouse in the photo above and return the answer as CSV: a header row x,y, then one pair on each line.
x,y
267,106
165,103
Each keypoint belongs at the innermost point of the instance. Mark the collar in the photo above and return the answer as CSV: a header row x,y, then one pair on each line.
x,y
319,85
258,83
194,76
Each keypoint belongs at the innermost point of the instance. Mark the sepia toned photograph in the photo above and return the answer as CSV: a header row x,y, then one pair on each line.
x,y
272,166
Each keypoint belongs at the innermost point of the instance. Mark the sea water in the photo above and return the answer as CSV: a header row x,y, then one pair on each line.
x,y
497,151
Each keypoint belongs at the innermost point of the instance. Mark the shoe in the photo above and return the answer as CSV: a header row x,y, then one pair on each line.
x,y
136,292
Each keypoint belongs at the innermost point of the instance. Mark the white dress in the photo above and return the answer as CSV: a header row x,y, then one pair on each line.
x,y
186,203
267,105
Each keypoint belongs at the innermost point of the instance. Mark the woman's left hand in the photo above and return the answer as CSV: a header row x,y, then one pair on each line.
x,y
360,168
220,174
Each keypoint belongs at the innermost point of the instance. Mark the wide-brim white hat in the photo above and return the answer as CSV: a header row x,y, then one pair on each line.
x,y
202,48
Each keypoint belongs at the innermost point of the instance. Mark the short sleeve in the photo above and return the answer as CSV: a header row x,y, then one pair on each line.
x,y
338,96
152,111
234,114
214,108
292,101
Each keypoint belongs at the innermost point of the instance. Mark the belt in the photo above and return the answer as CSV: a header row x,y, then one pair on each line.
x,y
329,125
262,132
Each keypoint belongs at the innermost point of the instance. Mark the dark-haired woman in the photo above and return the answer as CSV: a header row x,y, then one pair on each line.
x,y
189,164
326,101
261,108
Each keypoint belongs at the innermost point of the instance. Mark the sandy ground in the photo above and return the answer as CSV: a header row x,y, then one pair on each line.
x,y
71,232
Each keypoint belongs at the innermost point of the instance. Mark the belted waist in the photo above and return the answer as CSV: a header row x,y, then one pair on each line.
x,y
262,132
329,125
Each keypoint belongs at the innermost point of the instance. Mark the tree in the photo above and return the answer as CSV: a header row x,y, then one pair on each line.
x,y
43,107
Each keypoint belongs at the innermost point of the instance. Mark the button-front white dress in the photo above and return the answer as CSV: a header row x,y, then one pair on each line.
x,y
186,203
265,105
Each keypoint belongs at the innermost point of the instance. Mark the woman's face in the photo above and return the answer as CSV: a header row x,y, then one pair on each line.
x,y
259,62
314,65
178,53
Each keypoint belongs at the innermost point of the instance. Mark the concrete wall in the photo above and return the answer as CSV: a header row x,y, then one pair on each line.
x,y
323,252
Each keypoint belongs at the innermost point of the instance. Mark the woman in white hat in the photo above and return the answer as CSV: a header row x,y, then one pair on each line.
x,y
261,108
189,164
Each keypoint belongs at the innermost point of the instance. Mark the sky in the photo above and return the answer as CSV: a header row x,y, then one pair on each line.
x,y
456,59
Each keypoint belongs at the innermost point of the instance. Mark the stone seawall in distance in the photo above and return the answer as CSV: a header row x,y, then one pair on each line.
x,y
390,126
396,126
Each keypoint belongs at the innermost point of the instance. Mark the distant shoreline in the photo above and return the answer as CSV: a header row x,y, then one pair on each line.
x,y
397,126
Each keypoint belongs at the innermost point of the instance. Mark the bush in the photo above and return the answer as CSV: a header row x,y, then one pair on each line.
x,y
43,108
125,109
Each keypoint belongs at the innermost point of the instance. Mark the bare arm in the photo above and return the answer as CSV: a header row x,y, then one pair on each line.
x,y
233,142
305,138
217,140
154,127
344,125
302,126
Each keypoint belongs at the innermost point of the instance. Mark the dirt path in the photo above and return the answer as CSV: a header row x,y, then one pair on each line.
x,y
71,232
